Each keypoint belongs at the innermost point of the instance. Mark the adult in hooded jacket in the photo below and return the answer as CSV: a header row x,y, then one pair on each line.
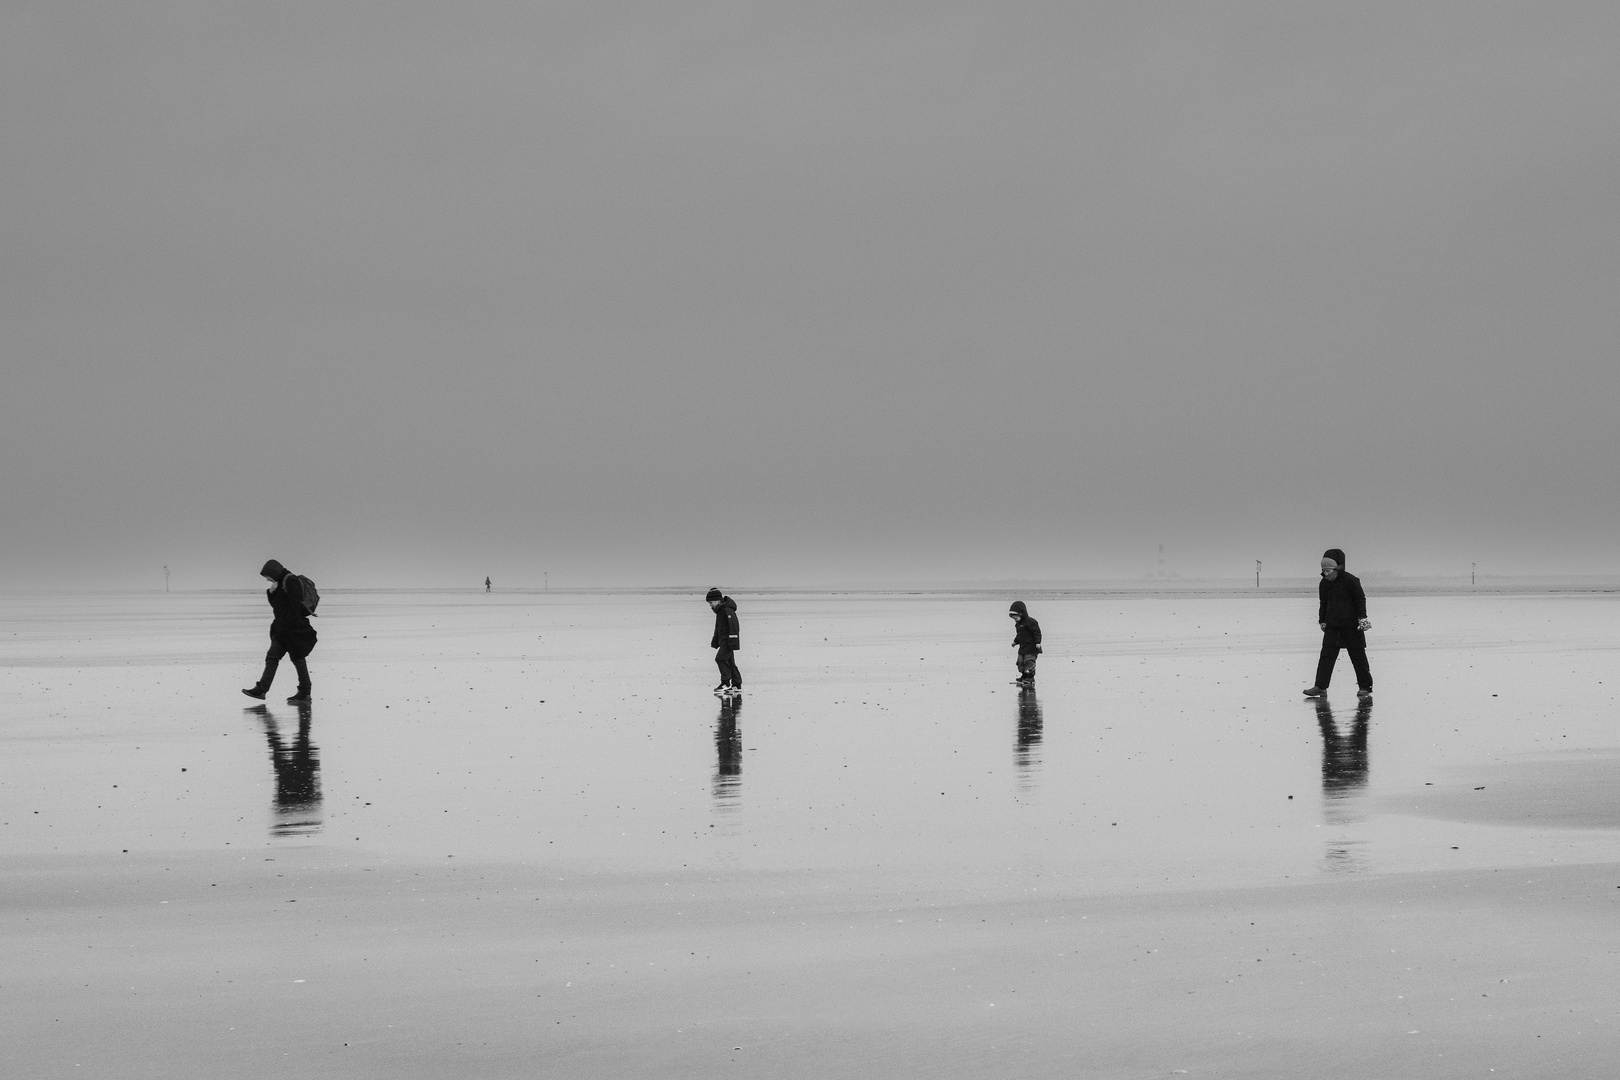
x,y
290,632
725,641
1341,611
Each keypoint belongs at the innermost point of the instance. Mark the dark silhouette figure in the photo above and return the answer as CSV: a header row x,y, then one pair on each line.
x,y
1027,637
728,750
290,632
297,766
486,584
725,642
1341,611
1027,752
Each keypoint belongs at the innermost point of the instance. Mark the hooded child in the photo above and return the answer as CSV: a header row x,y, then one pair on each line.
x,y
290,632
725,642
1027,637
1341,611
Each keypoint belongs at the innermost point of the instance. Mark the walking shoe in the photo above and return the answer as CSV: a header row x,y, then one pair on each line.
x,y
298,699
722,688
1315,691
253,692
1365,694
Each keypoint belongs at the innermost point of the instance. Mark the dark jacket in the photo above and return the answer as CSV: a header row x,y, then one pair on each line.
x,y
1027,634
725,626
291,622
1341,602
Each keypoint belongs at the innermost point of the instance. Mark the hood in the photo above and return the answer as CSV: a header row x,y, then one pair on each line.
x,y
273,569
1336,555
1020,609
727,604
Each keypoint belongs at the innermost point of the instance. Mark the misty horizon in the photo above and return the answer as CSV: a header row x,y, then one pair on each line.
x,y
408,293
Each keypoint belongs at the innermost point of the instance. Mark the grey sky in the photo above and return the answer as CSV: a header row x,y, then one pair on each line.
x,y
791,293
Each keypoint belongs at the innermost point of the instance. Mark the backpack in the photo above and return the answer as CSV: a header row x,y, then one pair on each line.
x,y
312,595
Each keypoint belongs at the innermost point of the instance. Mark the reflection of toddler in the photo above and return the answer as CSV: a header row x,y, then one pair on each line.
x,y
1028,640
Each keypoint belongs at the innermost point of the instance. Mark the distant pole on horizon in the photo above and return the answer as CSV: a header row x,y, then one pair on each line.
x,y
1471,568
1257,573
546,577
165,579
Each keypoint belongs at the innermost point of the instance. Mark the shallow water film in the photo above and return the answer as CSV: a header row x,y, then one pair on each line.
x,y
879,758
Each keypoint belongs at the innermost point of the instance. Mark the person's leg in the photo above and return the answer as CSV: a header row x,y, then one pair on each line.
x,y
1330,654
1356,644
735,674
1026,667
722,660
272,660
302,666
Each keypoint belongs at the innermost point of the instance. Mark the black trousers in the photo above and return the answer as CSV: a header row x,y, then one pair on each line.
x,y
272,660
725,660
1354,641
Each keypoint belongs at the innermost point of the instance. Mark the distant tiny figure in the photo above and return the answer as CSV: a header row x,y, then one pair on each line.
x,y
1341,611
725,642
486,584
290,632
1028,640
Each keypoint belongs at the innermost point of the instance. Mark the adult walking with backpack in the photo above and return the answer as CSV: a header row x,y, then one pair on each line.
x,y
292,599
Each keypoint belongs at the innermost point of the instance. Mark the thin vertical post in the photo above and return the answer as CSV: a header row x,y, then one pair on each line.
x,y
1257,573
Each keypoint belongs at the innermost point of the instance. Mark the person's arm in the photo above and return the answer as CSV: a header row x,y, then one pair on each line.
x,y
1360,597
1321,604
733,635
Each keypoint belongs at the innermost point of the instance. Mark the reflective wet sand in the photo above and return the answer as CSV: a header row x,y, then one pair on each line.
x,y
516,835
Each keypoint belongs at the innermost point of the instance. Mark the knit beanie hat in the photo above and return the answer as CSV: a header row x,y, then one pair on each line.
x,y
713,595
1019,608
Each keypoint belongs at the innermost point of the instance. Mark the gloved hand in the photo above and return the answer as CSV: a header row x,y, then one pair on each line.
x,y
1364,624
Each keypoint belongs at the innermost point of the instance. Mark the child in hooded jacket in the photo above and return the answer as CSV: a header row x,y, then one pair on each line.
x,y
1028,640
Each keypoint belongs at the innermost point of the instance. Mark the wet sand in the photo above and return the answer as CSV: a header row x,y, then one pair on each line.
x,y
515,836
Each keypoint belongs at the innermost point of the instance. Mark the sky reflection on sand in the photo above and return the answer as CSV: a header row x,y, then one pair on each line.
x,y
1166,743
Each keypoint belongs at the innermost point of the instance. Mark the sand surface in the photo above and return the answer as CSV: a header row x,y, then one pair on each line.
x,y
516,836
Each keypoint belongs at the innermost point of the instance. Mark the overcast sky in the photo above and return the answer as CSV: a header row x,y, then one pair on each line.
x,y
794,293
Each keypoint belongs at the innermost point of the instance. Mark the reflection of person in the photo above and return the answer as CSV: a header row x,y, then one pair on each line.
x,y
728,740
1344,756
1028,639
298,773
1341,611
290,632
1027,753
728,752
725,642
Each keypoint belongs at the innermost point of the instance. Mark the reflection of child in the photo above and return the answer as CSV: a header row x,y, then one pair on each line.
x,y
1028,640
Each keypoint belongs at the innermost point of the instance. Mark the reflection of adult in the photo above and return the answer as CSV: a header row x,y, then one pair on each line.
x,y
290,632
1341,611
725,642
298,773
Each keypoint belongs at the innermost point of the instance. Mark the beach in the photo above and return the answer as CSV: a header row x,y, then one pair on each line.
x,y
515,835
